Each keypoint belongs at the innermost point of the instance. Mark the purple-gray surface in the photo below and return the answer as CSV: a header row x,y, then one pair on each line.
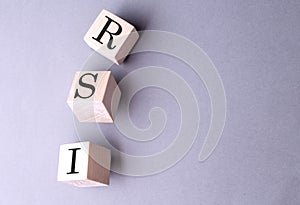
x,y
255,47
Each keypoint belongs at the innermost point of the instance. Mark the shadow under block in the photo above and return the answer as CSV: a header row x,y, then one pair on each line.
x,y
84,164
111,36
94,96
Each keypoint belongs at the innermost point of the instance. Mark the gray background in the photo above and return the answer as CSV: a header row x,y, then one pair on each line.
x,y
255,47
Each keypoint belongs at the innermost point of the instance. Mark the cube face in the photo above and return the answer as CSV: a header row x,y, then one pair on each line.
x,y
111,36
94,96
84,164
73,162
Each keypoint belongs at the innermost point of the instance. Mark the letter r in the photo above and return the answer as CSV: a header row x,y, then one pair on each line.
x,y
111,34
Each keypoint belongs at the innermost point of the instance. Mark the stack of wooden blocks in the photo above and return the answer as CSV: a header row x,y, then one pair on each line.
x,y
94,97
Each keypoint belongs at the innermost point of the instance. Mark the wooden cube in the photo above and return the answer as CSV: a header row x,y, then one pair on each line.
x,y
111,36
94,96
84,164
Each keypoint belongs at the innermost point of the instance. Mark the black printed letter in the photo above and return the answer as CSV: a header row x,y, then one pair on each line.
x,y
86,85
73,161
109,20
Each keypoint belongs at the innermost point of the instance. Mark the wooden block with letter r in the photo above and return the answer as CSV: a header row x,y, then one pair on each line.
x,y
111,36
84,164
94,96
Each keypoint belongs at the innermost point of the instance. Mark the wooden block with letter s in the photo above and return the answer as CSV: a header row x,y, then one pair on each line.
x,y
111,36
94,96
84,164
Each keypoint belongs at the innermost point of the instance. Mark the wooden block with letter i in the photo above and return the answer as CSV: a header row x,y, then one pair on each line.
x,y
111,36
94,96
84,164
